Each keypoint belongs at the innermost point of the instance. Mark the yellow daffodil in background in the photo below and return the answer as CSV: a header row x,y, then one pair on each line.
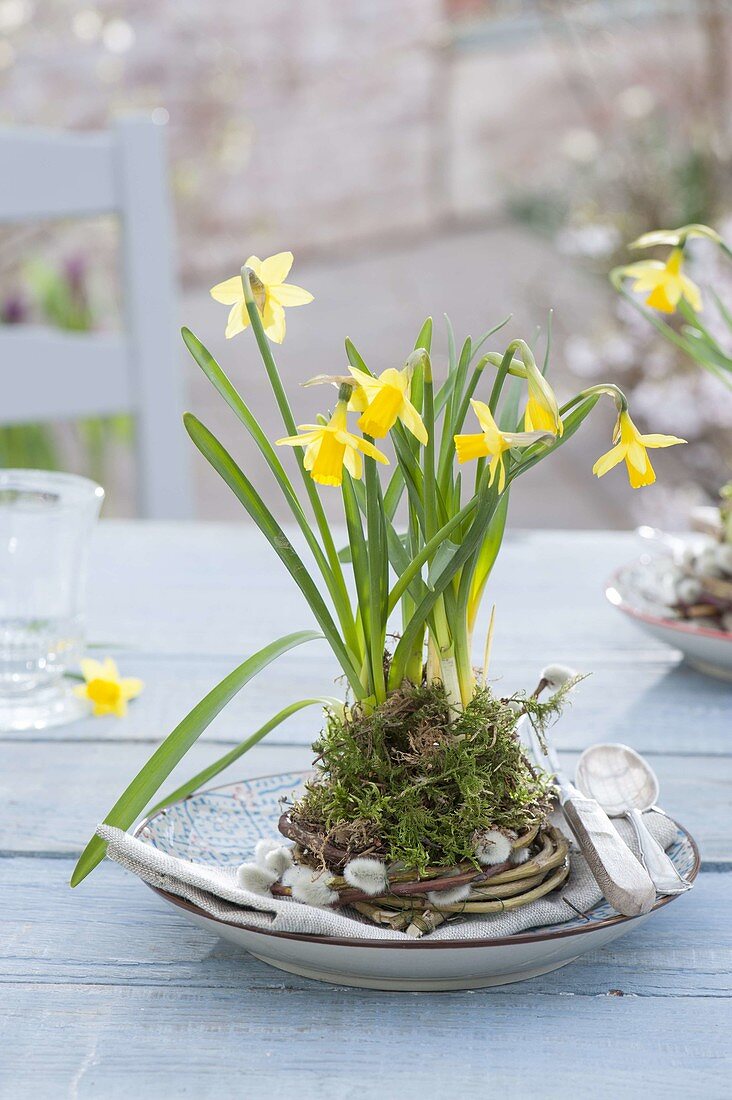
x,y
105,689
542,411
631,446
388,401
492,442
666,282
271,293
329,447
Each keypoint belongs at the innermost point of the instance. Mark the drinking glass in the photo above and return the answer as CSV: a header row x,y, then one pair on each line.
x,y
46,520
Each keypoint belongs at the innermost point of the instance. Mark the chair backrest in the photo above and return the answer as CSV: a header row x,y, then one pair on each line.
x,y
49,374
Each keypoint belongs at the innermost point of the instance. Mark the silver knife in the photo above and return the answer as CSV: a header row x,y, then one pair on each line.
x,y
623,880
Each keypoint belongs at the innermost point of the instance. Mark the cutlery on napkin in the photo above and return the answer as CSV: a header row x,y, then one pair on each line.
x,y
623,880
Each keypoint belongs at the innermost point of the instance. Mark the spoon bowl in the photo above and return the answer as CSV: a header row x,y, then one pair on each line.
x,y
625,785
618,778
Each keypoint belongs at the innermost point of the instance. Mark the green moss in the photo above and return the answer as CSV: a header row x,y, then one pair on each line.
x,y
405,781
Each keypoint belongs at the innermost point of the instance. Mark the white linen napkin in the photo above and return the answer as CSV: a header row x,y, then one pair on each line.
x,y
214,889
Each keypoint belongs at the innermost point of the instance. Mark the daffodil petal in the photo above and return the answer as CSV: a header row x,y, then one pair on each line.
x,y
636,456
228,292
91,669
641,269
80,691
368,384
610,459
660,440
273,320
359,401
353,462
275,269
412,421
109,669
238,320
647,282
131,687
287,294
255,264
367,448
297,440
692,293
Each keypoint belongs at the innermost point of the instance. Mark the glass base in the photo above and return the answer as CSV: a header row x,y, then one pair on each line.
x,y
56,706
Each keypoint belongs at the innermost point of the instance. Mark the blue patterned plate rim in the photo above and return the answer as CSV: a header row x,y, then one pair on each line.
x,y
600,916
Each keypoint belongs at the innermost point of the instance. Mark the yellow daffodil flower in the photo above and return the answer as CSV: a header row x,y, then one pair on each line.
x,y
105,689
631,446
329,447
666,282
542,411
492,442
271,293
388,401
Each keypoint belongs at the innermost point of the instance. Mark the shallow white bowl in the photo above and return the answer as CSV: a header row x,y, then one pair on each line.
x,y
222,825
635,589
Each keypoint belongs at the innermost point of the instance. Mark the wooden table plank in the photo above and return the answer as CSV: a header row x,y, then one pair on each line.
x,y
106,992
326,1042
218,589
55,807
654,706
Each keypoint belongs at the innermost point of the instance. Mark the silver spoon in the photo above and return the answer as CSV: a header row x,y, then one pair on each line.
x,y
625,785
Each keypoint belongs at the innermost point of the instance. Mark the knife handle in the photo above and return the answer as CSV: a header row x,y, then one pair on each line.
x,y
621,877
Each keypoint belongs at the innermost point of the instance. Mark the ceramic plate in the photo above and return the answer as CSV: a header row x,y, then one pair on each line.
x,y
638,590
223,824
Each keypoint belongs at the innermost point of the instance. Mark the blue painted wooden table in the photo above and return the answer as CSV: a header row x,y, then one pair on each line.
x,y
107,993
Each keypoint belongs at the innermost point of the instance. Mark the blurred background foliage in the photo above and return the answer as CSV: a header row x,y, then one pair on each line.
x,y
476,156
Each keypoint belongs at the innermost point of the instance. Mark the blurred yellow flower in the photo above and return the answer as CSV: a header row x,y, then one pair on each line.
x,y
105,689
631,446
329,447
388,401
271,293
491,441
666,282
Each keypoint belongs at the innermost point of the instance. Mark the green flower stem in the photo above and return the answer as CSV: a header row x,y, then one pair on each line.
x,y
289,421
376,568
224,386
229,758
